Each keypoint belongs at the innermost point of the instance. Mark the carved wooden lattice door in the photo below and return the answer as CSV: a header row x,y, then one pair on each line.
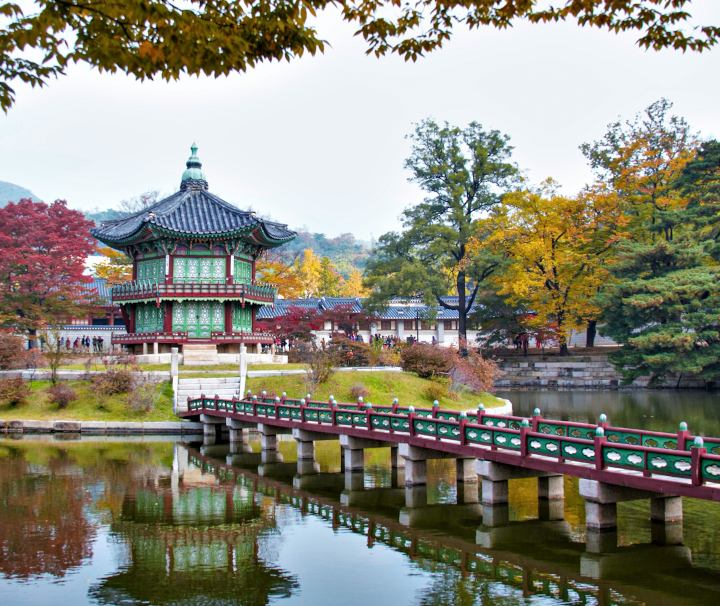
x,y
198,318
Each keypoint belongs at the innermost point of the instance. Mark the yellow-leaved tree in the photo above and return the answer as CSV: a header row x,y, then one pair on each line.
x,y
353,286
309,268
271,269
554,248
116,267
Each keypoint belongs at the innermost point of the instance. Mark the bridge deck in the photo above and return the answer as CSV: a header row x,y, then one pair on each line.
x,y
673,464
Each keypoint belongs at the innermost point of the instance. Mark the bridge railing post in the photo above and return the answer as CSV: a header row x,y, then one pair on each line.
x,y
217,402
600,441
234,405
536,418
524,429
462,423
411,421
696,454
683,436
278,403
303,404
202,401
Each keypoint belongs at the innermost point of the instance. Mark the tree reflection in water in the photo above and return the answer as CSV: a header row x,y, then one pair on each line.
x,y
43,529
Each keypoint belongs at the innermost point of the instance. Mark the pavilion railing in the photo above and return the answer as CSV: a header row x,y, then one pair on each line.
x,y
145,289
601,446
150,337
242,337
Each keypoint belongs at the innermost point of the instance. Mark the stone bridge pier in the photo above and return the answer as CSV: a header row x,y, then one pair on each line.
x,y
601,499
268,442
416,458
353,452
213,428
495,477
305,441
239,434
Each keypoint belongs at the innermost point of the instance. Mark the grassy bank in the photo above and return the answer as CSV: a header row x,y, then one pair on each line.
x,y
89,405
382,388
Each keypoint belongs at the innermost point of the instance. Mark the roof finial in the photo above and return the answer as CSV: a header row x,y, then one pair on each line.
x,y
193,177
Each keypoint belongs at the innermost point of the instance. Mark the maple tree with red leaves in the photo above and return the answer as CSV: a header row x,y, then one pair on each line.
x,y
298,323
44,247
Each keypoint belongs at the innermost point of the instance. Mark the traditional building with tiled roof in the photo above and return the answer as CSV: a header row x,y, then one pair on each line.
x,y
401,319
194,260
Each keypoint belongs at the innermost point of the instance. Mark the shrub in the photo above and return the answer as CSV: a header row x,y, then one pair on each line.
x,y
435,390
426,361
359,391
113,380
33,358
321,363
350,353
141,397
11,351
383,357
473,372
14,391
61,395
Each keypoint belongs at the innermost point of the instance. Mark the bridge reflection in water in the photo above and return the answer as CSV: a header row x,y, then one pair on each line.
x,y
482,549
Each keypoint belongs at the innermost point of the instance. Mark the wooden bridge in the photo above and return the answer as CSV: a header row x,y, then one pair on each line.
x,y
613,463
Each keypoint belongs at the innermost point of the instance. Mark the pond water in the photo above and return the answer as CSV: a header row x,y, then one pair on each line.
x,y
159,521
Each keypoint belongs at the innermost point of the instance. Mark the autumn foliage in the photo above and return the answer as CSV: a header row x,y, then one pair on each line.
x,y
41,269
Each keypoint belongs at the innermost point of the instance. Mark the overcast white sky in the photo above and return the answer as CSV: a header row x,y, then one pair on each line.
x,y
320,142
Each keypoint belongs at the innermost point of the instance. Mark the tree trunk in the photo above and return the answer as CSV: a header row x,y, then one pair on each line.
x,y
32,338
562,338
462,314
590,333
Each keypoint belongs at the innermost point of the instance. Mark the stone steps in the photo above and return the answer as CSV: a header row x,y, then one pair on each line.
x,y
223,387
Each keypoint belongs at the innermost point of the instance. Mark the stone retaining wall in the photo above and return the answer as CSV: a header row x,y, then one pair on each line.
x,y
572,372
100,427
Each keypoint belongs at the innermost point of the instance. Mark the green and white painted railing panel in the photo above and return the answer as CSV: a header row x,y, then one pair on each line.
x,y
546,446
574,430
503,422
710,468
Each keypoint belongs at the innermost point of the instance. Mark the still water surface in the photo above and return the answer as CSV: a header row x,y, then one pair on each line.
x,y
157,521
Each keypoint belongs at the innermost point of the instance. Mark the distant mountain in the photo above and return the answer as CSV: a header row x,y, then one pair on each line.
x,y
9,192
98,216
345,251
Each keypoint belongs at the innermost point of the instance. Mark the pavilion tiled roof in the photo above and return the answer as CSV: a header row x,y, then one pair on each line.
x,y
194,211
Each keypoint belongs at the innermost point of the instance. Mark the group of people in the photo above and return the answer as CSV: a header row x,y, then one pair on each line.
x,y
85,344
389,342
